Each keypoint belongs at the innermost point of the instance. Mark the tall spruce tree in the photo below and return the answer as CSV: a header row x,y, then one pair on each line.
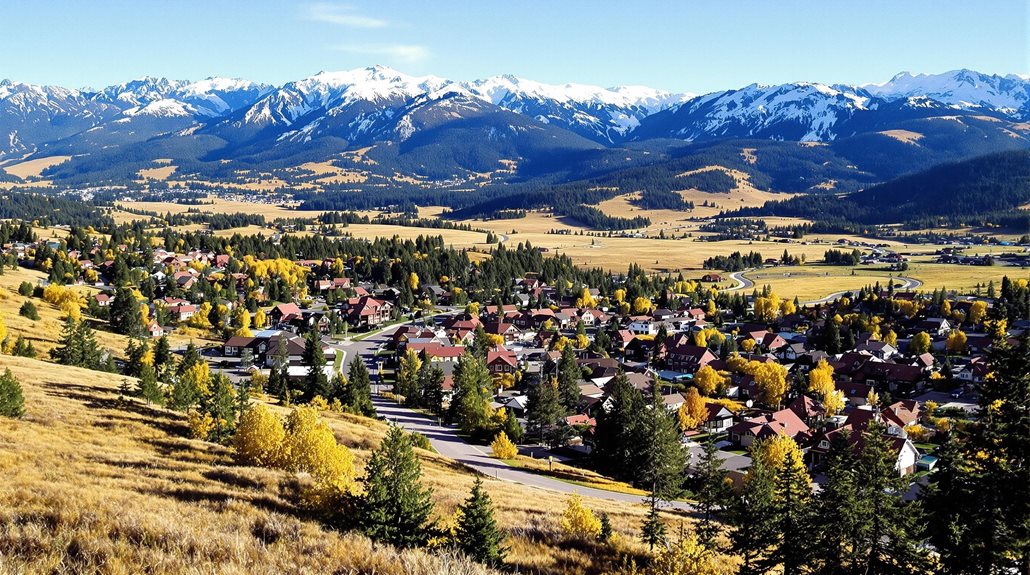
x,y
792,517
395,507
163,363
616,436
430,384
470,405
652,529
544,413
148,387
753,531
894,529
477,534
569,374
316,382
979,502
126,316
840,519
712,493
407,377
661,458
359,389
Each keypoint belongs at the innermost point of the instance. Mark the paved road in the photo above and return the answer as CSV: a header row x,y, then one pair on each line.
x,y
908,284
742,282
446,441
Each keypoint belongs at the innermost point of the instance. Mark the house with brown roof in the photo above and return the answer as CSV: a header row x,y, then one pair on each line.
x,y
782,422
368,311
687,358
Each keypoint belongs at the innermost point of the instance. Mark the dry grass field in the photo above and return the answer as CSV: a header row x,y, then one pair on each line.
x,y
34,168
221,206
160,173
815,282
95,484
456,238
45,332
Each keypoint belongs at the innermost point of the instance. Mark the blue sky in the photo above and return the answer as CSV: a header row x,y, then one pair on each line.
x,y
678,45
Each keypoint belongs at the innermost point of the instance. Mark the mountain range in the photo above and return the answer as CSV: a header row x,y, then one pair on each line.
x,y
438,130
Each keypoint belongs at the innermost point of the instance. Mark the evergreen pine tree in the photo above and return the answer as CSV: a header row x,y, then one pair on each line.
x,y
661,460
753,531
359,389
712,493
163,364
569,374
12,401
148,387
979,501
190,357
893,529
316,383
792,517
544,414
408,377
395,507
126,316
607,533
616,435
477,534
652,531
470,407
839,517
430,383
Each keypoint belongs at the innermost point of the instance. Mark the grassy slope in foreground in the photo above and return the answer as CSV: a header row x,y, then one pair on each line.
x,y
91,484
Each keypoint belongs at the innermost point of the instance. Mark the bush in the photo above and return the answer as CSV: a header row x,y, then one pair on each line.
x,y
12,402
28,309
25,289
578,522
420,441
503,448
259,437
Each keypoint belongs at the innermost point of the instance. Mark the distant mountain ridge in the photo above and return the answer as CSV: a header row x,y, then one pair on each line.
x,y
437,128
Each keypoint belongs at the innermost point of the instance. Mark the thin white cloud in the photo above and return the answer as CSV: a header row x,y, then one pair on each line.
x,y
341,15
401,52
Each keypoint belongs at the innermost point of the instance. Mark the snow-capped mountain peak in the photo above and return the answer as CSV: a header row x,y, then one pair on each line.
x,y
959,88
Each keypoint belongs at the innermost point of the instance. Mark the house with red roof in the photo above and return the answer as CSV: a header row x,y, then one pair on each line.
x,y
782,422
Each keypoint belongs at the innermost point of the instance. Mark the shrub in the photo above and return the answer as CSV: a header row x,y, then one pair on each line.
x,y
201,424
25,289
259,437
578,522
420,441
28,309
503,448
310,446
12,402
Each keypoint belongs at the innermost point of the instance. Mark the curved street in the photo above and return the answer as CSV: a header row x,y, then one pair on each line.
x,y
446,441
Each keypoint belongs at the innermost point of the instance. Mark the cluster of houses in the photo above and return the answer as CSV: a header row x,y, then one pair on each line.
x,y
525,334
658,345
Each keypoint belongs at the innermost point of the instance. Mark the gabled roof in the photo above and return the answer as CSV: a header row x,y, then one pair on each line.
x,y
500,354
782,422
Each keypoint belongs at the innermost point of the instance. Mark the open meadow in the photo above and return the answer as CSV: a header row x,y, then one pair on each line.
x,y
684,254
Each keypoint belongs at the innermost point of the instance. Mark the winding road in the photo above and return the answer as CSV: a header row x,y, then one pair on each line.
x,y
446,441
744,283
908,284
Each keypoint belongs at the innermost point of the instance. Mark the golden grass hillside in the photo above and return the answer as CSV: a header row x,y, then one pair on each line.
x,y
45,333
97,484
